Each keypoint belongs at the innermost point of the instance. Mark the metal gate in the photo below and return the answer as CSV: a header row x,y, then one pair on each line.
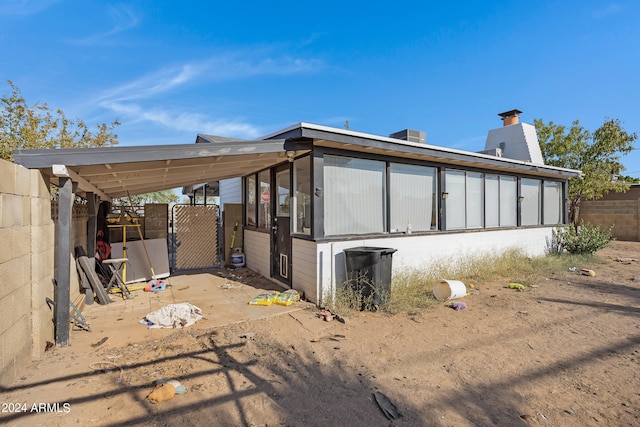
x,y
194,237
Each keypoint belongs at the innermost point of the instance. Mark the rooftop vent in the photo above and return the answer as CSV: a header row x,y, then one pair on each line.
x,y
410,135
510,117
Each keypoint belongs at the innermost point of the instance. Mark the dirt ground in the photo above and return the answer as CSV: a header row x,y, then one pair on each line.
x,y
563,353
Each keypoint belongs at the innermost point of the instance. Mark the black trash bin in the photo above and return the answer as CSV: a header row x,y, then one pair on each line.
x,y
369,273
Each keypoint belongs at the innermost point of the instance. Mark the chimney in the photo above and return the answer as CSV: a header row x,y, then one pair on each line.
x,y
510,117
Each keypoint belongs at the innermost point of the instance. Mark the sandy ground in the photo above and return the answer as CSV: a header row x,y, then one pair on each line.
x,y
563,353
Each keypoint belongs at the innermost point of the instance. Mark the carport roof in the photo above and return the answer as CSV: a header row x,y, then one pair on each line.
x,y
111,172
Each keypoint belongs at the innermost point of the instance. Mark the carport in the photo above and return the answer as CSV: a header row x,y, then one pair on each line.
x,y
98,174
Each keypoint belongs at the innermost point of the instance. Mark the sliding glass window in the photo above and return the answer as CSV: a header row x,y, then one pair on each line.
x,y
508,201
354,196
464,199
552,212
475,200
412,191
530,201
456,200
491,201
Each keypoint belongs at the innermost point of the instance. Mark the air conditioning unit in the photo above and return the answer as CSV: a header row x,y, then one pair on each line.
x,y
410,135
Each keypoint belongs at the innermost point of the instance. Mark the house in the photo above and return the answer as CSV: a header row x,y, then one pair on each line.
x,y
308,192
339,189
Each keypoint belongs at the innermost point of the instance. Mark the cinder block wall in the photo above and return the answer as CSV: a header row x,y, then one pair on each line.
x,y
26,268
622,210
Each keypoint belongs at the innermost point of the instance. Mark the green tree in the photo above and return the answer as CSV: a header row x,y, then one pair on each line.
x,y
30,127
596,154
164,196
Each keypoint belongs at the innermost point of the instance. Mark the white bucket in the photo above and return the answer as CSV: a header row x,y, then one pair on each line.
x,y
446,290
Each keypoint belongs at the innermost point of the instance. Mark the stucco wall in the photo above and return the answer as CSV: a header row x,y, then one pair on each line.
x,y
318,267
26,268
622,210
420,251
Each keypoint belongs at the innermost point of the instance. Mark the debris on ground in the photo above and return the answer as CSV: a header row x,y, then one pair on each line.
x,y
587,272
265,298
99,343
388,408
326,315
457,306
179,315
161,393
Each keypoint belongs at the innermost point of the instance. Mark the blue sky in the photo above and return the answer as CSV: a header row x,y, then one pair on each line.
x,y
170,70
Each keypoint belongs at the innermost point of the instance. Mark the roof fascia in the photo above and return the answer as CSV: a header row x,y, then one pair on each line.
x,y
367,140
33,159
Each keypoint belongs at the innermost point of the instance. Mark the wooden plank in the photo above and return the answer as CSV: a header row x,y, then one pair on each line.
x,y
84,281
93,278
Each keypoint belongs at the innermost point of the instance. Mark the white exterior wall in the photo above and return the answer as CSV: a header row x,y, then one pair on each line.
x,y
257,252
318,267
419,251
304,268
230,191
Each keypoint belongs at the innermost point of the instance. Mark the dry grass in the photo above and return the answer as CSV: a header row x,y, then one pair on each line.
x,y
412,289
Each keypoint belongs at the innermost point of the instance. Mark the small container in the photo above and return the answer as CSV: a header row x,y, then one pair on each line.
x,y
237,258
446,290
587,272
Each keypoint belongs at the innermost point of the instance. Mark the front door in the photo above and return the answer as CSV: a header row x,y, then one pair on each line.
x,y
281,242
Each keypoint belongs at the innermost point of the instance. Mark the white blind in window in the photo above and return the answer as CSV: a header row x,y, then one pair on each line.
x,y
474,200
456,199
492,201
530,206
354,196
552,203
411,190
508,206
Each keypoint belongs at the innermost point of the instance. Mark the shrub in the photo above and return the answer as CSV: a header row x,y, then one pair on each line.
x,y
583,239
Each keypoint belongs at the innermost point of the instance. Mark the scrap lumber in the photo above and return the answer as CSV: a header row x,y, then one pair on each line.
x,y
94,280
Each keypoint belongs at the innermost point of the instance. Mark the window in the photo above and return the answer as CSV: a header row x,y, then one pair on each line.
x,y
264,202
552,213
302,193
530,204
250,200
355,196
282,185
456,200
412,191
492,201
475,200
508,201
465,200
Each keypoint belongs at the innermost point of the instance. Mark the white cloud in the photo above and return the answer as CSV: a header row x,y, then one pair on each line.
x,y
217,68
185,121
24,7
141,100
124,18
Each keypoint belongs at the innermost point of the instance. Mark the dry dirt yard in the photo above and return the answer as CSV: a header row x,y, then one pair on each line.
x,y
563,353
